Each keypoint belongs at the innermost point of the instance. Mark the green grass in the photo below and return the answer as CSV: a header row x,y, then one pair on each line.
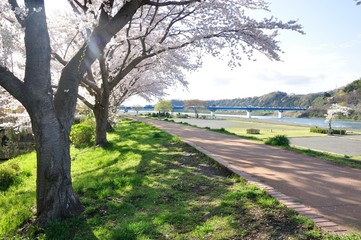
x,y
268,130
149,185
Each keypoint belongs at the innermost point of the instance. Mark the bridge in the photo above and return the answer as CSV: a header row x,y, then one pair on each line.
x,y
213,109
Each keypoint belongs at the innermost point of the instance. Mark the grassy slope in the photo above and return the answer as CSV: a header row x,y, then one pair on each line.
x,y
149,185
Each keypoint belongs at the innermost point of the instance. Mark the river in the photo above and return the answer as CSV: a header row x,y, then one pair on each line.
x,y
320,122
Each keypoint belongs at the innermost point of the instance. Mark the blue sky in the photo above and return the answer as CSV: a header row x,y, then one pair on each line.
x,y
328,56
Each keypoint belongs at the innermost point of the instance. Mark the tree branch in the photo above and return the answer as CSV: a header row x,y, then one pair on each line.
x,y
12,84
74,71
91,82
169,3
105,7
59,58
86,102
104,74
14,5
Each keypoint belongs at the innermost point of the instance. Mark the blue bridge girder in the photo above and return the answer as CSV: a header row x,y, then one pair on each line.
x,y
250,109
215,108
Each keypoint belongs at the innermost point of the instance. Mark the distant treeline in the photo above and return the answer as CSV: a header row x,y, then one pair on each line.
x,y
350,96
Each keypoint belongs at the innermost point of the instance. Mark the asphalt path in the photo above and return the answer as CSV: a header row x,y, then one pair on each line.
x,y
343,145
333,190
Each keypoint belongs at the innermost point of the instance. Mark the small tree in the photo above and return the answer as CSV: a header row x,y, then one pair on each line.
x,y
334,110
195,105
137,108
163,106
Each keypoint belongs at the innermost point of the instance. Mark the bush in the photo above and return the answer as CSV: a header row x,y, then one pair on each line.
x,y
161,114
179,115
279,140
253,131
319,130
8,176
325,130
81,135
339,131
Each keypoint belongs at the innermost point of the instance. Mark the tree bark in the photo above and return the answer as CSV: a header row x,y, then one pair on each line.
x,y
101,114
54,192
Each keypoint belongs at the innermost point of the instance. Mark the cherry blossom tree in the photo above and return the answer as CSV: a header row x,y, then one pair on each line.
x,y
148,80
332,112
143,29
177,32
195,105
137,108
52,114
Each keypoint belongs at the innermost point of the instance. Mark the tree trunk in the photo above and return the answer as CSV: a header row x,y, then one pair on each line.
x,y
330,130
55,196
101,114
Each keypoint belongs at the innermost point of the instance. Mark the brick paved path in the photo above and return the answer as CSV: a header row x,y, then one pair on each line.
x,y
313,187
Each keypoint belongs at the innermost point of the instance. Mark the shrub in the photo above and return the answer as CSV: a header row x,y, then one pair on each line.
x,y
339,131
325,130
179,115
81,135
8,176
253,131
157,135
318,130
278,140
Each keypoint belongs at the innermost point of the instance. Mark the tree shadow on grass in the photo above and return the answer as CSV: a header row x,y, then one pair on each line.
x,y
158,189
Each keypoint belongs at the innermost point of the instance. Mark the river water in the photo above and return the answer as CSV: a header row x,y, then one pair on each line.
x,y
348,125
320,122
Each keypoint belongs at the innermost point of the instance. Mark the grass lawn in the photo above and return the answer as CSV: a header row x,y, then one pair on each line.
x,y
149,185
268,130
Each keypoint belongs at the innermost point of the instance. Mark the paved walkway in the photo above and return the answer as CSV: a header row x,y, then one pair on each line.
x,y
320,187
343,145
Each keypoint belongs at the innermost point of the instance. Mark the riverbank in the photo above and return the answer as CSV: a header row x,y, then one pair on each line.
x,y
299,135
268,128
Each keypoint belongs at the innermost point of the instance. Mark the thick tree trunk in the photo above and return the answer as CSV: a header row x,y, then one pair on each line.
x,y
55,196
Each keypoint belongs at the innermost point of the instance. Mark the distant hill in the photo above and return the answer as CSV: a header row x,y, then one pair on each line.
x,y
274,99
350,96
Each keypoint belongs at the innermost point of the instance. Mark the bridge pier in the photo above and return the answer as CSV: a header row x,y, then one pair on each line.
x,y
280,114
249,114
